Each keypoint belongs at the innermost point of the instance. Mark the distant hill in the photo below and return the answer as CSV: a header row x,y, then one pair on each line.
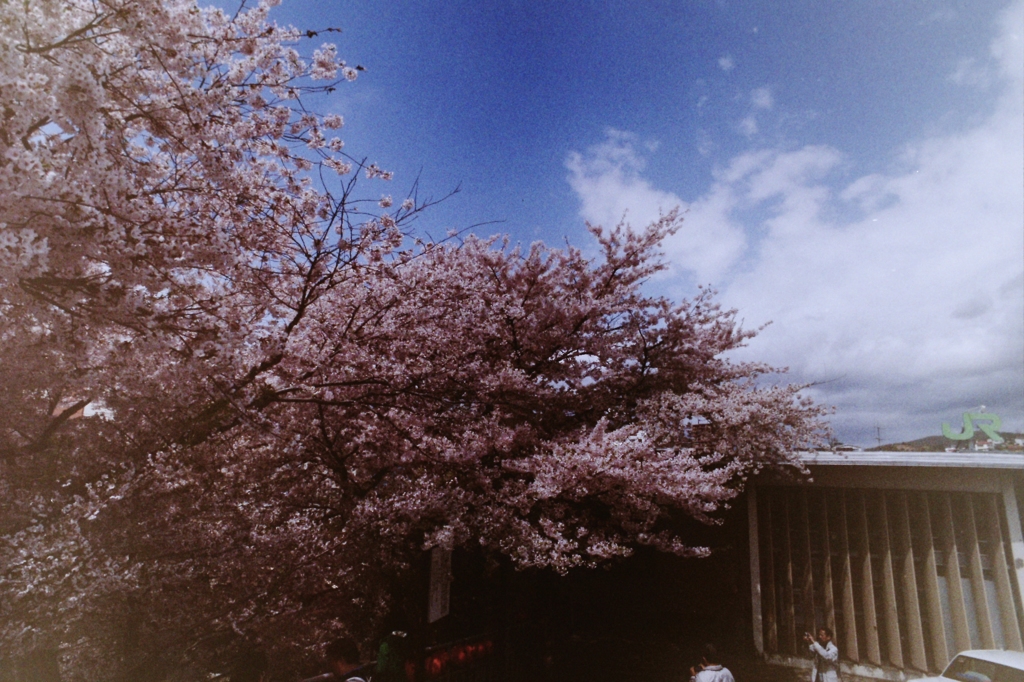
x,y
940,443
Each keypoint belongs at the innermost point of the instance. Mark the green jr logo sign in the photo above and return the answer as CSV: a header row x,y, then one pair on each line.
x,y
991,429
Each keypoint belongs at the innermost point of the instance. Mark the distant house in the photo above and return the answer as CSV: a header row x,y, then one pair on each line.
x,y
909,557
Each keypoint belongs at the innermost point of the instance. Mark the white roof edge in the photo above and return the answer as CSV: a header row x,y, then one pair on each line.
x,y
1006,657
967,459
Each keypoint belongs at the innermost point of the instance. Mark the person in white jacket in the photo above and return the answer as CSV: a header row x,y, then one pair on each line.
x,y
710,668
826,656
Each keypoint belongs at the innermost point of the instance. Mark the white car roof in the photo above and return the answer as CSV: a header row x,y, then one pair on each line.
x,y
1013,659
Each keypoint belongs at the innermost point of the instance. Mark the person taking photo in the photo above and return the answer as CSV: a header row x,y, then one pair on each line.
x,y
826,656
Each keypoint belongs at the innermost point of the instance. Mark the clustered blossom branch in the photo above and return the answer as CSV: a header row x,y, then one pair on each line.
x,y
232,373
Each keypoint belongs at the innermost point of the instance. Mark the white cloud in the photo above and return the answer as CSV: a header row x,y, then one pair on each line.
x,y
762,98
748,126
726,63
705,145
608,182
1007,48
969,72
609,185
918,305
942,15
904,290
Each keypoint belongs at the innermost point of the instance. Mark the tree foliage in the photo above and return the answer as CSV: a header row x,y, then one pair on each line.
x,y
291,395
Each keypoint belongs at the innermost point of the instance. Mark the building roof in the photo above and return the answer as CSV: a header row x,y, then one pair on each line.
x,y
964,459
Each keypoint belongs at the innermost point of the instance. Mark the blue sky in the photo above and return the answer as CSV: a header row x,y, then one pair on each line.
x,y
853,172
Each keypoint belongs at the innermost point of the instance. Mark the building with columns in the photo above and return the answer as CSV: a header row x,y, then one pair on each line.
x,y
909,557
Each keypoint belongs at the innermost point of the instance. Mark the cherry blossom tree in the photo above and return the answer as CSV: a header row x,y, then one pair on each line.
x,y
242,396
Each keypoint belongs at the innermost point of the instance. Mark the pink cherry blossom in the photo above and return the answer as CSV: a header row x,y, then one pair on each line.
x,y
242,398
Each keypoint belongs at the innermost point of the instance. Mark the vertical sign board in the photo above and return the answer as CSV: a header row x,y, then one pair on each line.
x,y
755,569
440,583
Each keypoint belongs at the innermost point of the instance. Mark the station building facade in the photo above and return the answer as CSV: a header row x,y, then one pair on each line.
x,y
908,557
